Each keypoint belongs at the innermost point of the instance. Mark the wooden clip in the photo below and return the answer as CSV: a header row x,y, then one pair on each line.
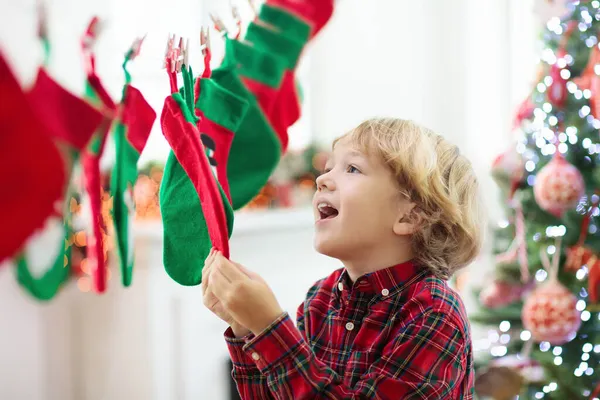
x,y
204,40
42,14
136,46
219,25
173,54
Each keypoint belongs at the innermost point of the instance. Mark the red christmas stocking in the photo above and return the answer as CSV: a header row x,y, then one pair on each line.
x,y
72,122
316,13
91,169
192,204
37,187
96,93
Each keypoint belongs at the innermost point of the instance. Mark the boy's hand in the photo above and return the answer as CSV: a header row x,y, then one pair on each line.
x,y
213,304
244,295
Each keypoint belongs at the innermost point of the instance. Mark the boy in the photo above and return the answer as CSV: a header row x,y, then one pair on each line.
x,y
398,206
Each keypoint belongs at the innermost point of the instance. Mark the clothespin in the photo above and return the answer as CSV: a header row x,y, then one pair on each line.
x,y
253,7
204,40
135,48
91,34
173,55
42,14
238,20
219,25
88,41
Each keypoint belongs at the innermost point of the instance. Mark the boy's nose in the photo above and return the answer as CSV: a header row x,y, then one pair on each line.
x,y
324,182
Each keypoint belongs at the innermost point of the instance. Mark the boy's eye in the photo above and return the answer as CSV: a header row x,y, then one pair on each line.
x,y
352,169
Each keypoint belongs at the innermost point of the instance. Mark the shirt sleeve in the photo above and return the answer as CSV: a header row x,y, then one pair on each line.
x,y
250,382
426,360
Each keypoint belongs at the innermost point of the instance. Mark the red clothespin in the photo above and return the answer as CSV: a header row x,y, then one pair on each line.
x,y
207,54
88,42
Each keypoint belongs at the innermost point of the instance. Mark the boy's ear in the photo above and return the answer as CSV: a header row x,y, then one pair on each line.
x,y
408,219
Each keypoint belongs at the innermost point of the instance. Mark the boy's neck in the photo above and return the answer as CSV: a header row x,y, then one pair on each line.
x,y
376,261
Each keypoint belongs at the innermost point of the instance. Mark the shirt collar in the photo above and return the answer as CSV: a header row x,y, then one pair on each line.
x,y
384,282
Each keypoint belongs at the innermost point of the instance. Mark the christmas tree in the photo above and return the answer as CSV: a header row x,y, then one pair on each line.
x,y
543,301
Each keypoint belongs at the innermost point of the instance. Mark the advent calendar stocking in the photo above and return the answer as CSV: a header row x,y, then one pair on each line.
x,y
195,211
286,109
72,122
98,95
130,135
256,149
38,187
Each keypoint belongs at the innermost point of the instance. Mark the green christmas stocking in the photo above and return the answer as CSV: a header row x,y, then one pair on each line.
x,y
72,122
286,109
195,211
256,149
130,135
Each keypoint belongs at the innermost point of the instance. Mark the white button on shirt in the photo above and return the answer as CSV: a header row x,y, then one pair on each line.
x,y
340,286
385,292
349,326
255,356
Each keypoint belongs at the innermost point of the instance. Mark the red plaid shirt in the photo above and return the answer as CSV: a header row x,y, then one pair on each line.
x,y
398,333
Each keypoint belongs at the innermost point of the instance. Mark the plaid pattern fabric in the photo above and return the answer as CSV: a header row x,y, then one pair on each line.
x,y
398,333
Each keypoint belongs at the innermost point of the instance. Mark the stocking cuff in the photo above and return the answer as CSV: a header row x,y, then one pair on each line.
x,y
221,106
254,63
289,24
276,43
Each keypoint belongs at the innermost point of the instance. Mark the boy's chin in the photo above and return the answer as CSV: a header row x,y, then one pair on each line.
x,y
329,248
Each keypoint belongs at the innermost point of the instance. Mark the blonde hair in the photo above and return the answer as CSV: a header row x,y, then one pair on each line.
x,y
439,180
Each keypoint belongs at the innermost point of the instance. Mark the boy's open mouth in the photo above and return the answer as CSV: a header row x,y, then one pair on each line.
x,y
327,211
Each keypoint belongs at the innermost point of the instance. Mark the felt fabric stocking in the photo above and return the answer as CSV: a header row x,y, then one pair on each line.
x,y
37,187
130,135
91,162
256,149
315,13
286,109
71,122
195,211
221,113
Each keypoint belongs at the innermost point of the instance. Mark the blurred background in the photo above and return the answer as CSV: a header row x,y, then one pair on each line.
x,y
461,68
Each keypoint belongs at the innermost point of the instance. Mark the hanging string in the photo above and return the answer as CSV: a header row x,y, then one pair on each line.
x,y
522,241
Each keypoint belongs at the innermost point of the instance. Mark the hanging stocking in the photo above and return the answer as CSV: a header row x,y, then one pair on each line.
x,y
194,208
315,13
286,109
71,121
221,113
91,160
130,135
256,149
38,187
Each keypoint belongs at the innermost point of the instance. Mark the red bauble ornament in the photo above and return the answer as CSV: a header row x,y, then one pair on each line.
x,y
558,186
550,314
501,294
